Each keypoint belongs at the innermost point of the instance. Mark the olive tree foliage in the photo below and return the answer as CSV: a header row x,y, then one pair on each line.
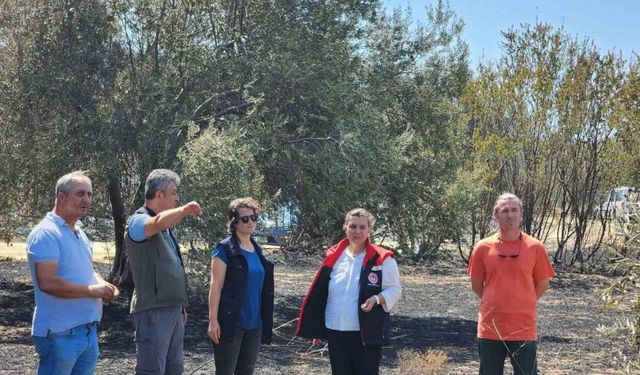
x,y
353,107
278,72
318,106
626,169
626,253
625,291
589,101
541,121
216,168
176,73
311,125
512,115
415,77
59,62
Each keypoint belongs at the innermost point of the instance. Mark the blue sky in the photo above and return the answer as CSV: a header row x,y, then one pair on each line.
x,y
611,24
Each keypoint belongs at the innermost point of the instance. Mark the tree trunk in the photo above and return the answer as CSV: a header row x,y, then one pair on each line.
x,y
117,210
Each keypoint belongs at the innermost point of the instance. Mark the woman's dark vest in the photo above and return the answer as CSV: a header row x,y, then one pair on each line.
x,y
234,287
374,325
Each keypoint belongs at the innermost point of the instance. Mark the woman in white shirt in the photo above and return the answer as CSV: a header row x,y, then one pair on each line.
x,y
349,301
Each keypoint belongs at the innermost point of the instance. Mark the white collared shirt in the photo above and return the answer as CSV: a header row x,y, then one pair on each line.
x,y
341,313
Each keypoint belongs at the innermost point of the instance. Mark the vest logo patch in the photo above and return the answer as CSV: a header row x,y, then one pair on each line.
x,y
373,278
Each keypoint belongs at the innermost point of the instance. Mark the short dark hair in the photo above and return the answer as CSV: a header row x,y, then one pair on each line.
x,y
246,202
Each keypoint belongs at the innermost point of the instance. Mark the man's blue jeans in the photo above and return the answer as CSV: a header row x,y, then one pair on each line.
x,y
70,352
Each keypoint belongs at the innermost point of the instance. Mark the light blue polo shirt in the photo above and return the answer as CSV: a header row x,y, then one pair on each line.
x,y
52,240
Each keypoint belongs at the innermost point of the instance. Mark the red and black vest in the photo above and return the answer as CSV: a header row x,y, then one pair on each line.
x,y
374,325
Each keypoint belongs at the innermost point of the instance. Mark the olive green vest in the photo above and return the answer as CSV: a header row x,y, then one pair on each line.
x,y
158,275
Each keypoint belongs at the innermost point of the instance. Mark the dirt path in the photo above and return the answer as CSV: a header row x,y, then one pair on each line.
x,y
437,311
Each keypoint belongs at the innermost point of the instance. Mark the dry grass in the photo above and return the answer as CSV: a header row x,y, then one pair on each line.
x,y
102,251
429,362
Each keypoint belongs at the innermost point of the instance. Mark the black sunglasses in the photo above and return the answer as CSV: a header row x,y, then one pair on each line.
x,y
513,256
245,219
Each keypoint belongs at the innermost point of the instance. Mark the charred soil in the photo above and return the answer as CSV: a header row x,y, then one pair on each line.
x,y
438,311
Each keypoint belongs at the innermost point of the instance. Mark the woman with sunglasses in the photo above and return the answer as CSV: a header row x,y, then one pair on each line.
x,y
349,301
240,293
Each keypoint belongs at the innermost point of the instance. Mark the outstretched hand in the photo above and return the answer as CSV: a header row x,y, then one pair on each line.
x,y
192,209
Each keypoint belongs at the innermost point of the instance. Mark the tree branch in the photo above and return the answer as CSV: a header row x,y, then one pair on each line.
x,y
311,139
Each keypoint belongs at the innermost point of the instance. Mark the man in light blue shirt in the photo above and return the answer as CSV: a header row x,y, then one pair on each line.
x,y
68,291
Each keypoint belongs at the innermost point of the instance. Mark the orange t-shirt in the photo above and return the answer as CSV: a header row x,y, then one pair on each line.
x,y
508,304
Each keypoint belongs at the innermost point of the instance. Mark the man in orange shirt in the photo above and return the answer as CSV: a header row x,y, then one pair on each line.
x,y
509,271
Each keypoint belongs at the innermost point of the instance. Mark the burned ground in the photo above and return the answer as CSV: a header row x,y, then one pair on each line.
x,y
438,311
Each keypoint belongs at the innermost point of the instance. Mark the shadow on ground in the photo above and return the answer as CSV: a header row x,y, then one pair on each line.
x,y
456,336
435,313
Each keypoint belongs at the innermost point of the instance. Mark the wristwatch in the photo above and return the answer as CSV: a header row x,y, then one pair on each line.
x,y
377,299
